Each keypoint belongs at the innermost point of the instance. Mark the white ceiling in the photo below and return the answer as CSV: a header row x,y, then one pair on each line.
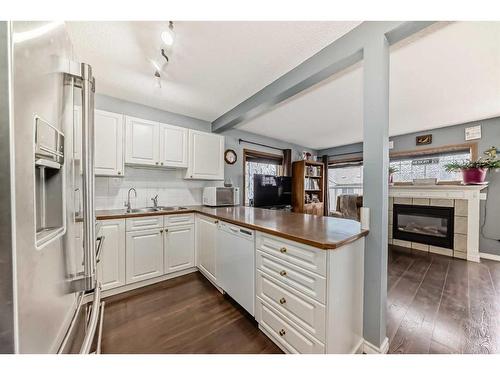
x,y
214,65
446,75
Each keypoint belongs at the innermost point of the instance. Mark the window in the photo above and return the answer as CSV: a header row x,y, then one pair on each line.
x,y
428,166
255,162
344,179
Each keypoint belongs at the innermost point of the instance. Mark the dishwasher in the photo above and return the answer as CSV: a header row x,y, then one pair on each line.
x,y
235,263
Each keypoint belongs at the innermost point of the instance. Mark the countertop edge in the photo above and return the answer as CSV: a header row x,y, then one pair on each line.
x,y
306,241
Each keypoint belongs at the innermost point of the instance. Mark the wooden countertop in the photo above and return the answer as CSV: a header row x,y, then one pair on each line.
x,y
318,231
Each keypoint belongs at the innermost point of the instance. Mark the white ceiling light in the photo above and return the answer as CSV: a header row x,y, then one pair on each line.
x,y
168,36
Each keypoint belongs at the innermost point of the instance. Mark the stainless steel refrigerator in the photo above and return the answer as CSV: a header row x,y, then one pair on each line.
x,y
50,294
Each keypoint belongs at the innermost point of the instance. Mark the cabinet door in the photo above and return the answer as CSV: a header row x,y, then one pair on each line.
x,y
111,266
144,249
141,141
173,146
206,156
206,245
108,143
178,248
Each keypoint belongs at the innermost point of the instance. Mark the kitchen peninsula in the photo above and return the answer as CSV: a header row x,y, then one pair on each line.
x,y
306,271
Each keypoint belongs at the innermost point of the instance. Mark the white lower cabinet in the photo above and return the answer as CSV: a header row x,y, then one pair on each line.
x,y
178,247
285,333
111,266
206,246
144,255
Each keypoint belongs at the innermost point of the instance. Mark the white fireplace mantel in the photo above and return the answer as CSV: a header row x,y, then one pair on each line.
x,y
471,193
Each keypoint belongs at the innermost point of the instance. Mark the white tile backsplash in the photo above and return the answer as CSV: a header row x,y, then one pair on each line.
x,y
170,185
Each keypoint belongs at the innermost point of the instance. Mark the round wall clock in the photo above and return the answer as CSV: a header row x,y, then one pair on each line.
x,y
230,156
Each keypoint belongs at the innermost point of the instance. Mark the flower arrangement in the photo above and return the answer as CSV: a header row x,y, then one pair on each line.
x,y
473,172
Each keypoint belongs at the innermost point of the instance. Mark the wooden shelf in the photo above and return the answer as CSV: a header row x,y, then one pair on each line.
x,y
300,174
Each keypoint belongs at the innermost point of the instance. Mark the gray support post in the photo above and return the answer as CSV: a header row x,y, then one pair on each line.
x,y
375,185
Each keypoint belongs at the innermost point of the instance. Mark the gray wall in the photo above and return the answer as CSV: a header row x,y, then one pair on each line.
x,y
455,134
235,171
108,103
6,280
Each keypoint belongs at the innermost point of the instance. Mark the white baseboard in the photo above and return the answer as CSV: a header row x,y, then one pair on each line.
x,y
369,348
473,258
490,256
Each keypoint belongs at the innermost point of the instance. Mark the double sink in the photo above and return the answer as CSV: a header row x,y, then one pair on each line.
x,y
155,209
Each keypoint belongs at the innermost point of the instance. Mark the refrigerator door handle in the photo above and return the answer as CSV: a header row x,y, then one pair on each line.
x,y
88,88
93,320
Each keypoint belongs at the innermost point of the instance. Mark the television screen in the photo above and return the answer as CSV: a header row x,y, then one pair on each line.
x,y
271,190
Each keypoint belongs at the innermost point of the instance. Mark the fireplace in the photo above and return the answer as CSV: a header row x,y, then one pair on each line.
x,y
429,225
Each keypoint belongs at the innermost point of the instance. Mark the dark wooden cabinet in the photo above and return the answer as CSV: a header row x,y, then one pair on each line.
x,y
308,187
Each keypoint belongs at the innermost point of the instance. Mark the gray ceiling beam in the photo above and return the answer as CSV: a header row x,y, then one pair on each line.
x,y
337,56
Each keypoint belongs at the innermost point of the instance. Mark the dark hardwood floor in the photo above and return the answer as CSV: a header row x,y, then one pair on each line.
x,y
182,315
438,304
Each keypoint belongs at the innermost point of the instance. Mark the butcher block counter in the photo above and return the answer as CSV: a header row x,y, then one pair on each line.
x,y
317,231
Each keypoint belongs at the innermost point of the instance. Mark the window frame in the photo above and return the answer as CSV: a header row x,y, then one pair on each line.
x,y
249,154
472,147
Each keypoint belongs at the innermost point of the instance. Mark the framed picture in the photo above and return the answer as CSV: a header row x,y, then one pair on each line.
x,y
424,139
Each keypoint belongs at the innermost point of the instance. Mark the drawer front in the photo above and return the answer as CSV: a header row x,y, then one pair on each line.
x,y
285,333
303,256
301,310
146,222
180,219
304,281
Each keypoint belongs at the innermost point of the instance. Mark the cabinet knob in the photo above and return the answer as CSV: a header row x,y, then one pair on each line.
x,y
161,163
283,273
119,172
166,230
156,163
283,250
283,300
161,230
282,332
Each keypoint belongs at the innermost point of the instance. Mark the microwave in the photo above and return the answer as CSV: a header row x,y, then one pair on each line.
x,y
221,196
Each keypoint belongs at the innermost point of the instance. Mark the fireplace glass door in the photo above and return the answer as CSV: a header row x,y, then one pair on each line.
x,y
429,225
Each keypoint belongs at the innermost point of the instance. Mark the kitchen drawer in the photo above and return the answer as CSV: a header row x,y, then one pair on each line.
x,y
145,222
289,336
304,281
304,256
179,219
301,310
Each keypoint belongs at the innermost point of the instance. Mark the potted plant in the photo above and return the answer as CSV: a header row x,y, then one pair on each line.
x,y
392,170
473,172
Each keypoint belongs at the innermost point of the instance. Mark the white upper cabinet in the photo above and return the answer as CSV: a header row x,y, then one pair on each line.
x,y
173,146
206,156
108,143
142,145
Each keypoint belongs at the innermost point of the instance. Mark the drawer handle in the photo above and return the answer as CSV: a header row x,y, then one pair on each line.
x,y
283,273
282,332
283,250
283,300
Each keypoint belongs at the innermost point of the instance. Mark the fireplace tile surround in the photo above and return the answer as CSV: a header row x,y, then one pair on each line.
x,y
464,199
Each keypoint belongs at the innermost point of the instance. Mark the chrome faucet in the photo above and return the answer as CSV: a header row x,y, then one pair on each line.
x,y
127,202
155,201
